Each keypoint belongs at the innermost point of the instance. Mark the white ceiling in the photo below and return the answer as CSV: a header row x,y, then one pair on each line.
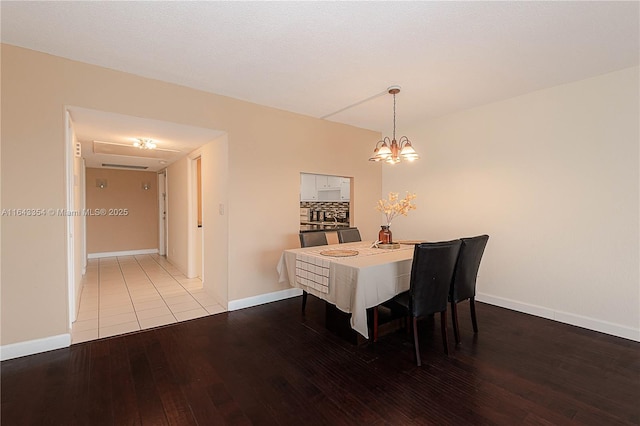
x,y
317,58
173,140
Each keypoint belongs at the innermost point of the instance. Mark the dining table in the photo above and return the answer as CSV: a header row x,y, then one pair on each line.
x,y
352,276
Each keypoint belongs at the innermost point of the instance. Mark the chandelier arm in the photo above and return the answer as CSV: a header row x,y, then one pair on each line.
x,y
403,140
383,141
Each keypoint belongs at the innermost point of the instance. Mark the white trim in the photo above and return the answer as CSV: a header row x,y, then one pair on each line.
x,y
192,217
261,299
83,192
162,212
30,347
121,253
69,225
166,205
564,317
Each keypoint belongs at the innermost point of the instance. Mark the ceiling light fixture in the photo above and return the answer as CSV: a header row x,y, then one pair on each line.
x,y
392,151
145,143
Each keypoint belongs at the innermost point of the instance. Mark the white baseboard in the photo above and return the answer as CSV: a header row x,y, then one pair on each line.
x,y
564,317
30,347
261,299
121,253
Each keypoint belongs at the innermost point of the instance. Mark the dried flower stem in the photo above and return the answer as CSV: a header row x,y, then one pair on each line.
x,y
393,206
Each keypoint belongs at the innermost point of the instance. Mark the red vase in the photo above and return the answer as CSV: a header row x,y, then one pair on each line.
x,y
385,235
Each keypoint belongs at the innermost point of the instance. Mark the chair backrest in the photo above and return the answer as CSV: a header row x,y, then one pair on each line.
x,y
312,239
431,275
463,285
351,235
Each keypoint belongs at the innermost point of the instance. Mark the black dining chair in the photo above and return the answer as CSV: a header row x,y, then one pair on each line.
x,y
463,285
311,239
350,235
431,276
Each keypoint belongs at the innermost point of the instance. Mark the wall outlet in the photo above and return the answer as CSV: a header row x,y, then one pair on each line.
x,y
221,209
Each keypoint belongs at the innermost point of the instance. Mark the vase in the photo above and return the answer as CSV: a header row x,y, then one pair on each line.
x,y
385,235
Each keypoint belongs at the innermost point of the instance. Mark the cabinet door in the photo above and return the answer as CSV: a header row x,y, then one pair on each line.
x,y
334,181
322,181
308,191
345,189
328,182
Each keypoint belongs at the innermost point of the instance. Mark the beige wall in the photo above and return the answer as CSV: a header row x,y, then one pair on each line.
x,y
261,180
553,178
264,189
135,230
215,225
177,211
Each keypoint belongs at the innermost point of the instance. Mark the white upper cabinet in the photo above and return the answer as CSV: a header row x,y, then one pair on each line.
x,y
324,188
308,191
345,189
327,183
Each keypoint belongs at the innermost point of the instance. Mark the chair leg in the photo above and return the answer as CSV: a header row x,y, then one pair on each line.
x,y
304,300
415,341
454,319
443,327
472,303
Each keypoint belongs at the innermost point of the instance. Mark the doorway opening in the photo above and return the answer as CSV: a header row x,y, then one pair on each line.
x,y
142,279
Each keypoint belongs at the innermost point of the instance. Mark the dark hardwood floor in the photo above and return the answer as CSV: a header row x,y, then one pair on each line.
x,y
268,365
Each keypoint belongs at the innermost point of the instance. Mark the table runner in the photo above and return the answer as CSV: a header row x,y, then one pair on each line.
x,y
312,271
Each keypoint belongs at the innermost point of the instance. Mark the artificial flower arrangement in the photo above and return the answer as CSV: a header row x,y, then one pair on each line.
x,y
394,206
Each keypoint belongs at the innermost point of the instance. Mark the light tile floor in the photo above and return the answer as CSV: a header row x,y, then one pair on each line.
x,y
130,293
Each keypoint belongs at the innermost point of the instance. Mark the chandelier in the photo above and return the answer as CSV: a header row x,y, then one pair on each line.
x,y
144,143
392,151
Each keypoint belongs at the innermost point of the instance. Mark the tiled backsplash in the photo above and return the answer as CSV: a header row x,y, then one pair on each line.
x,y
342,208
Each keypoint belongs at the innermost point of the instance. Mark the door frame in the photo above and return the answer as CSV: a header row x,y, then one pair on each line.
x,y
163,229
69,201
72,213
192,220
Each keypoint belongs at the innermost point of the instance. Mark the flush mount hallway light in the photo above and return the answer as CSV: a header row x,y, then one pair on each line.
x,y
145,143
392,151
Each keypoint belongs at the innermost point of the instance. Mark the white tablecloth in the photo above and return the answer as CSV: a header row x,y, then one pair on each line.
x,y
353,283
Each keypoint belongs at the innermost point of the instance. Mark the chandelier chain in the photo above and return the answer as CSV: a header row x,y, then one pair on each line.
x,y
394,116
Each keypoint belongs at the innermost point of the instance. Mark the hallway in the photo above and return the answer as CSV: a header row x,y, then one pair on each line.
x,y
130,293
